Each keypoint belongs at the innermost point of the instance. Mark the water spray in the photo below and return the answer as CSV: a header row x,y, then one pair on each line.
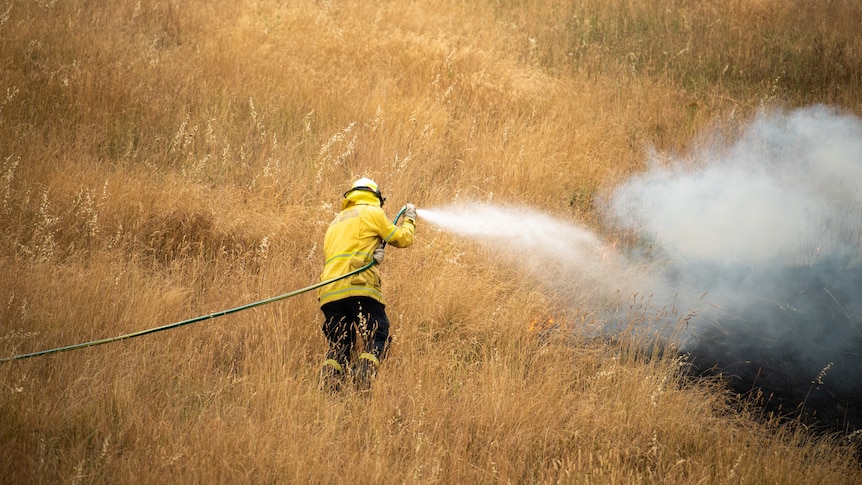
x,y
519,228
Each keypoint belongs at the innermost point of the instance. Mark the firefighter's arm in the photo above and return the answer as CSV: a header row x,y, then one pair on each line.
x,y
400,237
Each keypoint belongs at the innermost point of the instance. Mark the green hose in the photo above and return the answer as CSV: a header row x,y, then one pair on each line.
x,y
197,319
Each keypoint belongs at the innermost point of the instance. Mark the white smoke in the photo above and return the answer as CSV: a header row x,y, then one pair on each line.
x,y
787,194
788,191
769,229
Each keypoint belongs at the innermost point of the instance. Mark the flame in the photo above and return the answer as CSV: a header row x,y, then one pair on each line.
x,y
607,250
540,325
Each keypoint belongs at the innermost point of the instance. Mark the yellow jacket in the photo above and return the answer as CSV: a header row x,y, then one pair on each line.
x,y
351,239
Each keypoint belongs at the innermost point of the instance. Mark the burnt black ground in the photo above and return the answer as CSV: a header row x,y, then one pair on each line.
x,y
796,338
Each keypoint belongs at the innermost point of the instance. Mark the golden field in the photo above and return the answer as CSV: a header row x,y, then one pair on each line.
x,y
162,160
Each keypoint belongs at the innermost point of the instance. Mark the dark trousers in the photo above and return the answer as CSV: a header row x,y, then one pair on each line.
x,y
353,317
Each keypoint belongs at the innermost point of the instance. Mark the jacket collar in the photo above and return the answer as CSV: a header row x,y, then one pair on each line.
x,y
359,197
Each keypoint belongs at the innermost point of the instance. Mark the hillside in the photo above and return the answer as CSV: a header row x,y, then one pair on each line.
x,y
163,160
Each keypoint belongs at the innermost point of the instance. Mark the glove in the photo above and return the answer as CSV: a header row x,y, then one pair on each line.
x,y
378,254
410,212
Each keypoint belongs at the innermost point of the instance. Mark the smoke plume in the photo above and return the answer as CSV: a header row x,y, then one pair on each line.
x,y
767,231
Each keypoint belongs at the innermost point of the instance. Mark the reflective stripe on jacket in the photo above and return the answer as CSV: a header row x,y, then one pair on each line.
x,y
349,243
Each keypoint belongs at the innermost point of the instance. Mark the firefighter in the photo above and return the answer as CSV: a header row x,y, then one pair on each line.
x,y
353,307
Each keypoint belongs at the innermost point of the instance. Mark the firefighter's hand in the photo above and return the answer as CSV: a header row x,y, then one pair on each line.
x,y
378,255
410,212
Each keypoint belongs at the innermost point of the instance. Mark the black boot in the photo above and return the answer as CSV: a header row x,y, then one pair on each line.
x,y
331,376
366,370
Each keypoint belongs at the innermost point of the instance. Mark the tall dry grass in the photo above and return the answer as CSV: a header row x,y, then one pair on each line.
x,y
163,160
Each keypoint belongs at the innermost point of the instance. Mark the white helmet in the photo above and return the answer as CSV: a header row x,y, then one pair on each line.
x,y
367,185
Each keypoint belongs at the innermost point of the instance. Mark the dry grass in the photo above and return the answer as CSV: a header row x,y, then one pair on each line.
x,y
163,160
